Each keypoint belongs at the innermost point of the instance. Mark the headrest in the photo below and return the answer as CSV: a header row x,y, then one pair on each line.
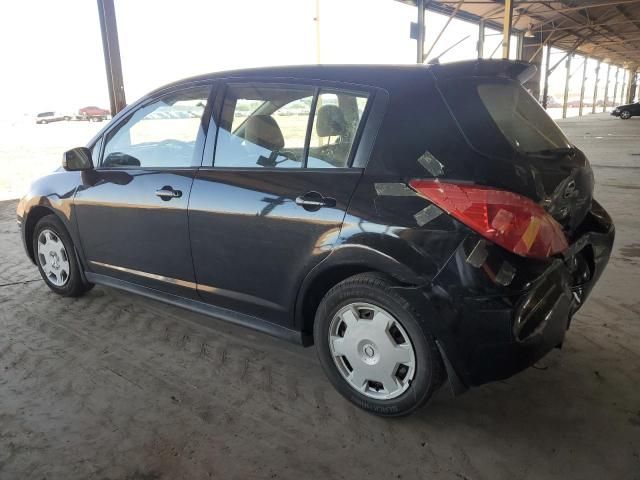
x,y
331,121
264,131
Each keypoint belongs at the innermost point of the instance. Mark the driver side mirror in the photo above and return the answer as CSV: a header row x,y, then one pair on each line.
x,y
77,159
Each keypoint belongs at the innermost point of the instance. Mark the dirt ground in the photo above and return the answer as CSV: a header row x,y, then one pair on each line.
x,y
113,386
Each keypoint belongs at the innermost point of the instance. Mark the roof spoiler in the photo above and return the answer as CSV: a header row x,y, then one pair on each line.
x,y
513,69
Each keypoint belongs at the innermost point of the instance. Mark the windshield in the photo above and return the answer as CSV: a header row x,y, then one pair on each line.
x,y
498,116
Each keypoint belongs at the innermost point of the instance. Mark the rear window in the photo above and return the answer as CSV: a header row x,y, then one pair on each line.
x,y
520,118
498,116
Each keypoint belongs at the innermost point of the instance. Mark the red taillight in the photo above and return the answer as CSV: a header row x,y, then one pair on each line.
x,y
508,219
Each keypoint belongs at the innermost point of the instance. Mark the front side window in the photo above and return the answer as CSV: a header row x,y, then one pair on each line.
x,y
161,134
267,126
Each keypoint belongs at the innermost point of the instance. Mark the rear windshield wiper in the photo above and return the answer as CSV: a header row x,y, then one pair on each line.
x,y
554,152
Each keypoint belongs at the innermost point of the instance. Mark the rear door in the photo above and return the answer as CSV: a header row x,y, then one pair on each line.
x,y
271,205
132,208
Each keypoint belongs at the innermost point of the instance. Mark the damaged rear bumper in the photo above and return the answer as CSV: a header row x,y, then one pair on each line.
x,y
511,320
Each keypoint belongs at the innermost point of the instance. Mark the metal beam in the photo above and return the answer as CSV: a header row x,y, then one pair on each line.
x,y
536,26
420,33
481,27
565,9
451,16
566,87
633,85
545,95
624,86
615,85
606,88
595,88
582,85
316,20
111,48
506,28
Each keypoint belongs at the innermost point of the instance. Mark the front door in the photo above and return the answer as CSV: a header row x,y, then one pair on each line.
x,y
132,209
272,204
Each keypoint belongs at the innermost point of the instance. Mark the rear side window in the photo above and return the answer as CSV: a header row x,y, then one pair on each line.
x,y
334,130
499,117
263,126
269,126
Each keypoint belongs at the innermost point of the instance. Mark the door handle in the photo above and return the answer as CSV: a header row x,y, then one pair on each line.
x,y
313,201
167,192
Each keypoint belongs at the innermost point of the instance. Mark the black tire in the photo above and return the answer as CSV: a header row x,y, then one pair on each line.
x,y
75,286
625,114
377,290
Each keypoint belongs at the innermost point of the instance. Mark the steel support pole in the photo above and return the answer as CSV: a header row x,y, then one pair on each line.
x,y
595,88
520,55
615,85
606,89
545,95
420,35
584,79
624,86
633,85
506,29
566,87
481,26
111,48
317,22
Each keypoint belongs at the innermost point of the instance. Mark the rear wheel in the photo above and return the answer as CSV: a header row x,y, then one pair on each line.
x,y
625,114
374,349
56,259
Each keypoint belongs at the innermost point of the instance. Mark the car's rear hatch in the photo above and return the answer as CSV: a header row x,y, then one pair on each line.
x,y
520,148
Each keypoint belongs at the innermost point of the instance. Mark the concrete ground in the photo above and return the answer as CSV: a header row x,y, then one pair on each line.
x,y
113,386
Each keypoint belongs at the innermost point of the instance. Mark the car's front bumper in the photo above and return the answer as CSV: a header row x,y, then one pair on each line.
x,y
615,113
492,324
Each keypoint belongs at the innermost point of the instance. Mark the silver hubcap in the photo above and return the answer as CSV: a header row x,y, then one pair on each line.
x,y
53,258
625,114
372,351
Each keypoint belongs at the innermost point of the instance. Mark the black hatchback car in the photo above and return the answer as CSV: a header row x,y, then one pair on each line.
x,y
419,224
627,111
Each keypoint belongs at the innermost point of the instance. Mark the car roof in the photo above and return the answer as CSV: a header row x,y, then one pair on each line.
x,y
383,76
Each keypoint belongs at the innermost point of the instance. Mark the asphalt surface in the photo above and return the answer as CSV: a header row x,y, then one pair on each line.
x,y
114,386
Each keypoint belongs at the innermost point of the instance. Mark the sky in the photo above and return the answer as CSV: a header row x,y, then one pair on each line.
x,y
52,59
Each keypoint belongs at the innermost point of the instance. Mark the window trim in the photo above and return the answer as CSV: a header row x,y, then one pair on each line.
x,y
154,97
318,87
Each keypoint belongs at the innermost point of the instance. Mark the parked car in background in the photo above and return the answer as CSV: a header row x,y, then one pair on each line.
x,y
93,114
576,104
418,224
48,117
627,111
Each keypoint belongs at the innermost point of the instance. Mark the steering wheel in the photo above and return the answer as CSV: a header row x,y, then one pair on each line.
x,y
288,155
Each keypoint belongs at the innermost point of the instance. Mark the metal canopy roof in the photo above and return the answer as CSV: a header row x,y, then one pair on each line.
x,y
606,30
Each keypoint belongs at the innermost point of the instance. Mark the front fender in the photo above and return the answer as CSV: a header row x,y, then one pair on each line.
x,y
51,194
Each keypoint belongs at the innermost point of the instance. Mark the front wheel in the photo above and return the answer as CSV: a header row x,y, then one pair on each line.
x,y
56,259
625,114
373,347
